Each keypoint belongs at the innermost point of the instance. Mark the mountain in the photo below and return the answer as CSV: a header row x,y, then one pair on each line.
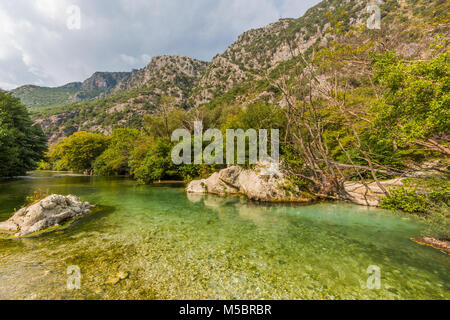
x,y
181,70
259,51
172,75
97,86
239,75
104,80
35,97
129,99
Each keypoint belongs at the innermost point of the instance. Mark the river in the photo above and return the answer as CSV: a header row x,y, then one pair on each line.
x,y
169,245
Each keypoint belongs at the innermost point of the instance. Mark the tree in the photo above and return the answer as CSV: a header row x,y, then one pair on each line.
x,y
79,151
415,108
22,144
152,161
114,161
165,120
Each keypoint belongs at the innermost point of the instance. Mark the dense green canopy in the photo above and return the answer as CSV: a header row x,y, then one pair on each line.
x,y
22,144
415,107
79,151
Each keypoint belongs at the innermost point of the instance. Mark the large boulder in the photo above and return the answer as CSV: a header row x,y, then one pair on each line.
x,y
197,186
224,182
264,183
369,194
49,212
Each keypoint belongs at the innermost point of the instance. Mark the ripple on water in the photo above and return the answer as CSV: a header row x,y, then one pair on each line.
x,y
174,246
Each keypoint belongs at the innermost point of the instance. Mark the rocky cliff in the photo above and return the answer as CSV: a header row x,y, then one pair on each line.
x,y
239,73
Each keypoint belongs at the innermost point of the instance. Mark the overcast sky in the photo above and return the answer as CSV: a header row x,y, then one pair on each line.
x,y
43,42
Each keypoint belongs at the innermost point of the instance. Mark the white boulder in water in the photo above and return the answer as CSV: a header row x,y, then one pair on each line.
x,y
264,183
49,212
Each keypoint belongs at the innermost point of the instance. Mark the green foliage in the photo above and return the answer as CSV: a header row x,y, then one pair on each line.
x,y
259,115
408,200
430,197
22,144
369,112
153,162
79,151
163,123
36,97
416,103
114,161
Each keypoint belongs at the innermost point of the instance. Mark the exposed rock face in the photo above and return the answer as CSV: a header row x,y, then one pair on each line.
x,y
260,184
49,212
246,62
371,195
104,80
57,121
97,86
175,71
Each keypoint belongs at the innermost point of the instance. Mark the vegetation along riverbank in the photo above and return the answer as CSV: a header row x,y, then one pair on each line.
x,y
363,114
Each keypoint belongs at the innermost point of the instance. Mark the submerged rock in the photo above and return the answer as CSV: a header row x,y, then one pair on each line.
x,y
122,275
47,213
265,183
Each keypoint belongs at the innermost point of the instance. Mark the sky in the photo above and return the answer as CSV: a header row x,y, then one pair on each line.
x,y
54,42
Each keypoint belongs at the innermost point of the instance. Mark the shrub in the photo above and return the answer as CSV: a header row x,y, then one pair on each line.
x,y
79,151
114,160
408,200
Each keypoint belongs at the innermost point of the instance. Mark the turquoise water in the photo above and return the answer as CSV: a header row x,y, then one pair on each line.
x,y
174,246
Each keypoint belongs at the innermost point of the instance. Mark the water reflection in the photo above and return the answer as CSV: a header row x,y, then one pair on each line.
x,y
182,246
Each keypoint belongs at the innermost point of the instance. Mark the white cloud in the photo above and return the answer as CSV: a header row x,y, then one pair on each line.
x,y
37,47
128,59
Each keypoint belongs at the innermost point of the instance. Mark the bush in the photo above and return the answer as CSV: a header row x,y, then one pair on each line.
x,y
440,196
79,151
22,144
408,200
114,160
152,161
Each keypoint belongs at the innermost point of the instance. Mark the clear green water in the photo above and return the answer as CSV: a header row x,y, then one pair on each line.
x,y
175,246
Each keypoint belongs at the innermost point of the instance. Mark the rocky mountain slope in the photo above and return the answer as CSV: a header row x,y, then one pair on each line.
x,y
183,71
129,100
97,86
239,74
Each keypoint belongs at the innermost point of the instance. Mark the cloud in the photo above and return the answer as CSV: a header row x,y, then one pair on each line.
x,y
38,47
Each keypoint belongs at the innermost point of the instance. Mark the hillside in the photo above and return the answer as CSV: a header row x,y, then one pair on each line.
x,y
130,99
239,75
97,86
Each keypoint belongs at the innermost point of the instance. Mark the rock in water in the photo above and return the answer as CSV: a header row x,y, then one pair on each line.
x,y
264,183
369,194
49,212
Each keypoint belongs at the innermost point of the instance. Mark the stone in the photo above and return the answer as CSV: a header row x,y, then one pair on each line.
x,y
370,195
230,176
9,226
265,183
52,211
442,245
122,275
197,186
